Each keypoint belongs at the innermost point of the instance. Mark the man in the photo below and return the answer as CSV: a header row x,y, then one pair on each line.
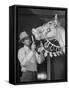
x,y
28,59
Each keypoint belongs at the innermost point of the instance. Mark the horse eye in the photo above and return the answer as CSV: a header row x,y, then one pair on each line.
x,y
48,29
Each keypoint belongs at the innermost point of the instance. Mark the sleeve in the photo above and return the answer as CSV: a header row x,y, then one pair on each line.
x,y
23,58
21,55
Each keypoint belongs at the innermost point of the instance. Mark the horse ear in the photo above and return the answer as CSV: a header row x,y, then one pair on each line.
x,y
56,19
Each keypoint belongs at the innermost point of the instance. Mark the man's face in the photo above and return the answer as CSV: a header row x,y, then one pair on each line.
x,y
27,42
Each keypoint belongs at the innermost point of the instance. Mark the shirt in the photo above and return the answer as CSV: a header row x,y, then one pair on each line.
x,y
28,59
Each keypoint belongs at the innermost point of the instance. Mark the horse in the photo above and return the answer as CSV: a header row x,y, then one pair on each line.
x,y
51,30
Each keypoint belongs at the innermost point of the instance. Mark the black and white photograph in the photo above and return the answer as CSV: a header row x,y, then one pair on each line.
x,y
38,44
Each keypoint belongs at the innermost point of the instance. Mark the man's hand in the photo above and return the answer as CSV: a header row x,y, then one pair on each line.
x,y
23,69
33,47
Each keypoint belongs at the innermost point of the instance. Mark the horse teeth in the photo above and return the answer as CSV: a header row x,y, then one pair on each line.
x,y
55,54
45,54
50,53
58,53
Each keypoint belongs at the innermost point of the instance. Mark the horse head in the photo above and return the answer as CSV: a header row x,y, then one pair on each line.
x,y
46,31
51,30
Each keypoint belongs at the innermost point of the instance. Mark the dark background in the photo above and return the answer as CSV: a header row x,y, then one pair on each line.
x,y
27,19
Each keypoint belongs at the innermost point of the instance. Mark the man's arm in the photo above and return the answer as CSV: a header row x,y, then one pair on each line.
x,y
27,58
23,58
40,58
